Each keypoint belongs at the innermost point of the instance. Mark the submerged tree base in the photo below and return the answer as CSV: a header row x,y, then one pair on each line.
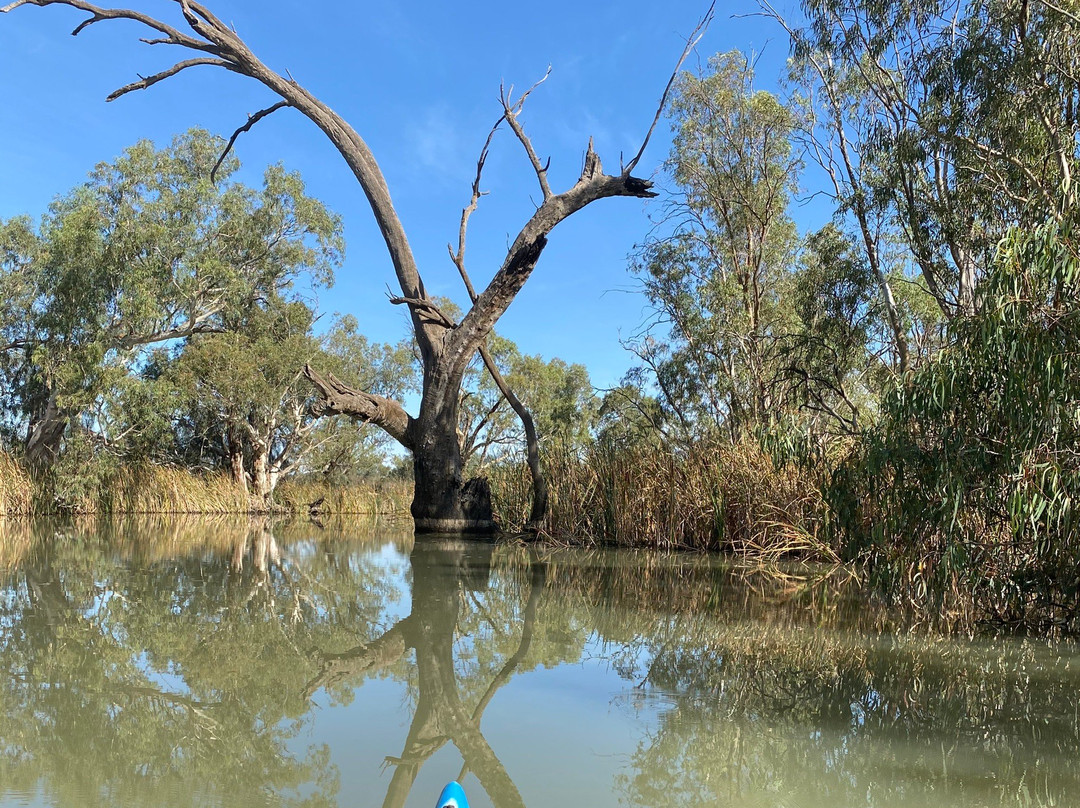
x,y
483,527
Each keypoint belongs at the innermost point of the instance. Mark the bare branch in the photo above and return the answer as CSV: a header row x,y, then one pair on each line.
x,y
149,81
459,257
337,398
691,43
424,305
511,109
527,247
1060,10
212,36
251,121
98,14
532,443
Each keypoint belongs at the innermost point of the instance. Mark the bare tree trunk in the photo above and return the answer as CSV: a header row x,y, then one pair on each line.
x,y
235,447
261,486
965,294
236,467
441,501
45,435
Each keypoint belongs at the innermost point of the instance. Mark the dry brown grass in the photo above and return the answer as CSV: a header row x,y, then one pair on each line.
x,y
726,497
170,489
150,488
18,490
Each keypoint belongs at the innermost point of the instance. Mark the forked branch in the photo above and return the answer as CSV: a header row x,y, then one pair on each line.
x,y
173,36
459,257
532,443
511,109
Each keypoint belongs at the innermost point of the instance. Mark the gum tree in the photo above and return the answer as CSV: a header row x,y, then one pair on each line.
x,y
147,252
443,499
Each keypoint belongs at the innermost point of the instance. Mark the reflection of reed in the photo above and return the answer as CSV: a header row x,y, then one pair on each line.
x,y
775,687
16,540
620,582
151,538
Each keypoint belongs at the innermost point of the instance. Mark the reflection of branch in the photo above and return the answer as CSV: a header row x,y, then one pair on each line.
x,y
488,617
386,650
440,715
538,574
487,767
197,707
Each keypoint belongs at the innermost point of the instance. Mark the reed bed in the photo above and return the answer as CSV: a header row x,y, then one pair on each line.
x,y
169,489
150,488
18,490
719,497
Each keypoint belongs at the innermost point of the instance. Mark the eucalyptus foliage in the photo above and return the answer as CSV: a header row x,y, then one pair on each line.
x,y
971,478
961,119
753,324
148,251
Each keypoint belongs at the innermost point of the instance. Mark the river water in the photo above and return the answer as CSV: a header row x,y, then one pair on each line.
x,y
182,663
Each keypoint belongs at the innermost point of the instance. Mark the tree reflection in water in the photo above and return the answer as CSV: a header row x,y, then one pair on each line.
x,y
175,664
131,677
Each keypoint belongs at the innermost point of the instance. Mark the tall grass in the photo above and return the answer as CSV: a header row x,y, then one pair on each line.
x,y
18,490
711,496
169,489
149,488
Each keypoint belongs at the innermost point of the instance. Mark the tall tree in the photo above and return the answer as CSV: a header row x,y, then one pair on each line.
x,y
958,118
148,251
249,381
716,280
443,500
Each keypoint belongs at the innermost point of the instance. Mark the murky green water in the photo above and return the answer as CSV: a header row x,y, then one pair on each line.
x,y
228,664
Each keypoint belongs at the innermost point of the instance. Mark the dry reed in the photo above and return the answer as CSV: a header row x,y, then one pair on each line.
x,y
18,490
724,497
150,488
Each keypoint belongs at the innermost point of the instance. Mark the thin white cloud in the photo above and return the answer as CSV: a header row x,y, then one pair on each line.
x,y
436,145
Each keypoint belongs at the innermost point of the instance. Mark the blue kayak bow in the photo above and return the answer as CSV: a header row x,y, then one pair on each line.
x,y
452,796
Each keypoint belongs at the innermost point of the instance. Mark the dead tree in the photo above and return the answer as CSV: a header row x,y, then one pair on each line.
x,y
443,500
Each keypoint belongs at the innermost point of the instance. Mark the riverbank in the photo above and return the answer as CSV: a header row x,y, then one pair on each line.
x,y
974,569
149,488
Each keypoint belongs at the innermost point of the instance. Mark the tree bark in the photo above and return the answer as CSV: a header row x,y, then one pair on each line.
x,y
45,435
261,486
443,502
236,459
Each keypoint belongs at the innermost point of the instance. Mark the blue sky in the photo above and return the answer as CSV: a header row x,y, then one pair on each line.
x,y
419,81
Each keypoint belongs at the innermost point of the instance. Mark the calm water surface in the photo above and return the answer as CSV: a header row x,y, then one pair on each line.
x,y
245,664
